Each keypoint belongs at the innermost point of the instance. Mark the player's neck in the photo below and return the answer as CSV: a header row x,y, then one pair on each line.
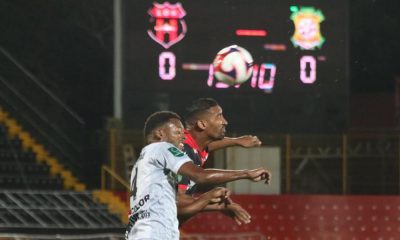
x,y
201,139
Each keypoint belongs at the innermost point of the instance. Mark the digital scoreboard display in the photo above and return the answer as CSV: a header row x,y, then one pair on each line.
x,y
299,80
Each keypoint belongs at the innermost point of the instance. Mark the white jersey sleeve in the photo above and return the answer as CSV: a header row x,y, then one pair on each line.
x,y
173,157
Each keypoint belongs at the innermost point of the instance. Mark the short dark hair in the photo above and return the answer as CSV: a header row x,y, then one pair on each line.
x,y
198,107
156,120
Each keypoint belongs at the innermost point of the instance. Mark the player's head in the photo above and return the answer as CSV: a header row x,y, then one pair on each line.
x,y
205,115
164,126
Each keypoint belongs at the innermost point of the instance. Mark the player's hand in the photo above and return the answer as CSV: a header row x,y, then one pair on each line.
x,y
259,174
219,195
237,213
248,141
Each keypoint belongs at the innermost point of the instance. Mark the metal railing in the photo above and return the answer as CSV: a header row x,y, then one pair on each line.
x,y
342,164
107,170
353,163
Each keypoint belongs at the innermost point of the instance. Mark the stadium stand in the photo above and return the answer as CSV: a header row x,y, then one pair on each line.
x,y
50,211
18,169
40,196
304,217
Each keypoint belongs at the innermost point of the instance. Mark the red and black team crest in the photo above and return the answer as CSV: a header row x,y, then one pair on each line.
x,y
169,26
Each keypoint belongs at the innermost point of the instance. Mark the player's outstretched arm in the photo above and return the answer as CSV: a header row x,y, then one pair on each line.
x,y
232,210
237,213
247,141
229,208
219,176
189,206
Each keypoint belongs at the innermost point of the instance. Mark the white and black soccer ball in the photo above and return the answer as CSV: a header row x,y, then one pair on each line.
x,y
233,65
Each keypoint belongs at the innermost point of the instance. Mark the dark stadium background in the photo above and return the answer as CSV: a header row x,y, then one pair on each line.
x,y
68,45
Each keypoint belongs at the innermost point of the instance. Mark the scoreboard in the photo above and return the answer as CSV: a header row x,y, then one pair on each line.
x,y
300,74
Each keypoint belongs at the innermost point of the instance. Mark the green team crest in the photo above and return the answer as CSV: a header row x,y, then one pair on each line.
x,y
307,34
176,152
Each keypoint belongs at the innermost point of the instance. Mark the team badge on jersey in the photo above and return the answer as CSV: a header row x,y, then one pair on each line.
x,y
176,152
169,27
307,34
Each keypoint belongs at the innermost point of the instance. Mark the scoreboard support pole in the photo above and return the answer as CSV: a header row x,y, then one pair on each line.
x,y
118,59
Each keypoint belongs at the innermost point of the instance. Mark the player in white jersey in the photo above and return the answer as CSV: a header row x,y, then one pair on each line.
x,y
153,180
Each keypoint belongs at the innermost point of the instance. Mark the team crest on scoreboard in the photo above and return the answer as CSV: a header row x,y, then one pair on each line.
x,y
307,34
169,25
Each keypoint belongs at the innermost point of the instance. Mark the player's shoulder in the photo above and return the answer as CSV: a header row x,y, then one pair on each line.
x,y
164,147
158,146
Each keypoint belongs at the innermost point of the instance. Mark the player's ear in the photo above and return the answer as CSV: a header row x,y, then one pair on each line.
x,y
201,124
159,134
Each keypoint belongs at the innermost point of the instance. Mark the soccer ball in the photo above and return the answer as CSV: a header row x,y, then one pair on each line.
x,y
233,65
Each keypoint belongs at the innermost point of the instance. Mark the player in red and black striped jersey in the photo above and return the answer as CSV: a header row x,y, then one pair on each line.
x,y
205,131
198,156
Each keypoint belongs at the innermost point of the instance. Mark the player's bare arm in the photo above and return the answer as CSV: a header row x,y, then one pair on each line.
x,y
187,208
218,196
229,208
237,213
218,176
247,141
